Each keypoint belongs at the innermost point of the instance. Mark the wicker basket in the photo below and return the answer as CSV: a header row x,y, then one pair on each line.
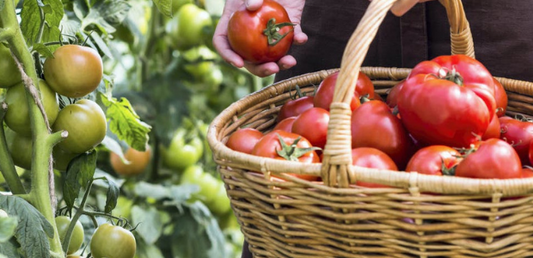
x,y
334,218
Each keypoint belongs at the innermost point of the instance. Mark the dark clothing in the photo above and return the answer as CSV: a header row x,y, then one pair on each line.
x,y
502,33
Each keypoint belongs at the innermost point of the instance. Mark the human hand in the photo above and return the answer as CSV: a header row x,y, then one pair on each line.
x,y
402,6
220,38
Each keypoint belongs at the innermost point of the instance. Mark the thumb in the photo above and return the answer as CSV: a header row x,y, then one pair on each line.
x,y
253,5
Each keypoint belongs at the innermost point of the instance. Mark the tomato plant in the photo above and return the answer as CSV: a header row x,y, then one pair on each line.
x,y
372,158
10,72
136,161
74,71
434,160
185,28
112,241
244,139
261,36
77,236
85,123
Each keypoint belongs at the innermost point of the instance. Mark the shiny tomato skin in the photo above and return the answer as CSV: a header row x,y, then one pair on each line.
x,y
373,125
439,112
527,172
245,33
9,70
500,95
312,124
493,131
530,153
519,134
372,158
76,239
269,144
74,71
112,241
431,159
392,96
285,124
138,161
324,93
493,159
244,139
295,107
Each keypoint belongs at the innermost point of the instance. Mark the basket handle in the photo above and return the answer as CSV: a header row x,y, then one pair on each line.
x,y
336,167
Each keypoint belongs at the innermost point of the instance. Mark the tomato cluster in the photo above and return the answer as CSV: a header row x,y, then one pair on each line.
x,y
74,71
446,118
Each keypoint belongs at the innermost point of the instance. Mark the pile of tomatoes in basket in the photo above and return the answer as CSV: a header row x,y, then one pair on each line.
x,y
446,118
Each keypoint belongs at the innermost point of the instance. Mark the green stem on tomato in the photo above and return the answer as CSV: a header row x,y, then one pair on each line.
x,y
6,166
79,212
42,147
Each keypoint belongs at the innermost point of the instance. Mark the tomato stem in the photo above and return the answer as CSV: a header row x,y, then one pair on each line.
x,y
272,31
292,152
454,77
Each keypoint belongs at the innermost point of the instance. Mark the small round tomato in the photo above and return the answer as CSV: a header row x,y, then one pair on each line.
x,y
372,158
519,134
85,123
76,238
10,72
244,139
285,124
493,131
185,28
270,146
207,183
74,71
434,160
261,36
486,161
312,124
20,147
295,107
324,93
184,150
112,241
18,115
501,98
138,161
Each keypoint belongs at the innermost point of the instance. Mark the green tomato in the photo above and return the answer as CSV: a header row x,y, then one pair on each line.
x,y
9,72
76,238
198,69
20,147
185,28
62,158
18,115
74,71
111,241
181,153
177,4
207,183
85,123
19,170
220,204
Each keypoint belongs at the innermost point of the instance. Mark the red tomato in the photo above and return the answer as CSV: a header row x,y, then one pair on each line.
x,y
324,93
295,107
286,124
519,134
270,146
493,131
530,153
440,112
493,159
312,124
392,97
434,160
501,98
261,36
373,125
372,158
527,172
244,140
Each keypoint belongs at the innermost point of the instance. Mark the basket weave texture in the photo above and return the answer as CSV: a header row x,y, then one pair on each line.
x,y
421,216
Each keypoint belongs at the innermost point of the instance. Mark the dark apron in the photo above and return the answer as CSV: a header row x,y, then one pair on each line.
x,y
502,32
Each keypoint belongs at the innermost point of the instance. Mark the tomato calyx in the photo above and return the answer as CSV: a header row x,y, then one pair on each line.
x,y
454,77
272,31
292,152
445,170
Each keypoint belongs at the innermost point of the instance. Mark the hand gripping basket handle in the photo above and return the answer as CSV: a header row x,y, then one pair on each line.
x,y
336,165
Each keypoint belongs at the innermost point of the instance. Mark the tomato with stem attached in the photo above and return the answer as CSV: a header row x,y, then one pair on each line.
x,y
434,160
324,93
295,106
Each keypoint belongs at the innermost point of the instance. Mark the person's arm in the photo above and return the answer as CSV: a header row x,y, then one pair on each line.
x,y
220,40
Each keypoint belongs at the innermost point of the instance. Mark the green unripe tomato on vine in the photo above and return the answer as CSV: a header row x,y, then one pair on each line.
x,y
85,123
182,152
18,116
74,71
76,239
185,28
20,147
9,72
112,241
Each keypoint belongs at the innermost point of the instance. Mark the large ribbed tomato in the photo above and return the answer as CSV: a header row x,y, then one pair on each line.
x,y
261,36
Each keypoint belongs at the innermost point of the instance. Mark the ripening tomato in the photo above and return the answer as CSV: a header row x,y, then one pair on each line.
x,y
493,159
434,160
519,134
374,125
138,161
244,139
261,36
312,124
372,158
295,107
112,241
324,93
296,148
501,98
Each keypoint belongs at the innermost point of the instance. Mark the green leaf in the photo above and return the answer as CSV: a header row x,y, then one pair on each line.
x,y
80,173
154,191
125,123
149,223
101,45
31,20
32,231
116,181
148,250
164,6
9,249
105,15
7,228
43,50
